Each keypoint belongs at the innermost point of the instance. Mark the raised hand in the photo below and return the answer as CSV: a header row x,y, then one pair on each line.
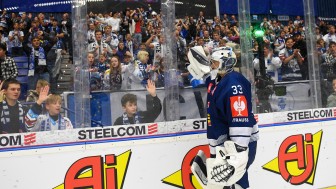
x,y
151,88
43,95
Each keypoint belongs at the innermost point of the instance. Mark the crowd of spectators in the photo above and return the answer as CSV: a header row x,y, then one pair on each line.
x,y
135,38
139,30
123,34
43,40
126,48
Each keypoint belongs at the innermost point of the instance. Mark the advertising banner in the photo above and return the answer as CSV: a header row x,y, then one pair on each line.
x,y
295,150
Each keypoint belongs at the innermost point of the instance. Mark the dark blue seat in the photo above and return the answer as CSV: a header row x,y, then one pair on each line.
x,y
22,64
23,71
22,79
20,59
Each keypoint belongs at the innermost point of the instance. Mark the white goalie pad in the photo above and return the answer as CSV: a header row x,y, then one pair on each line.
x,y
199,63
223,171
228,167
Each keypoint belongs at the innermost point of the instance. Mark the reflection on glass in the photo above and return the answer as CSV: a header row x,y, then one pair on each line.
x,y
126,48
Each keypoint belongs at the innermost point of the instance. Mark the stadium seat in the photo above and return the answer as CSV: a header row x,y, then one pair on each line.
x,y
19,59
66,66
22,79
67,71
22,64
64,85
23,71
64,78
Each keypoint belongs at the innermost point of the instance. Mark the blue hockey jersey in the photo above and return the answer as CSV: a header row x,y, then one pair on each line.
x,y
230,115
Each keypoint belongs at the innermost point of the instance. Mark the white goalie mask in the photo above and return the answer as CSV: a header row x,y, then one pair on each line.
x,y
226,58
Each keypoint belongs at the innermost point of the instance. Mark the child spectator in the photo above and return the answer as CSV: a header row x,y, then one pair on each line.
x,y
127,69
132,115
33,95
279,43
321,49
95,77
53,120
103,64
122,50
112,77
142,70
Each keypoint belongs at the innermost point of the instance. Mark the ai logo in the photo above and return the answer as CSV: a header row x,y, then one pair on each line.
x,y
297,158
93,172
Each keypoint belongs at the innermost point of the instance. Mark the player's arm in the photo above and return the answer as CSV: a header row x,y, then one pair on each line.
x,y
238,106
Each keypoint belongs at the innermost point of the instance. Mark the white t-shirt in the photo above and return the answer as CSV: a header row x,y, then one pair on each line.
x,y
114,22
328,38
16,41
272,64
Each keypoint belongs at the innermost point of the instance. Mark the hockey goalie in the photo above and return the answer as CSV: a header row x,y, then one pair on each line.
x,y
232,130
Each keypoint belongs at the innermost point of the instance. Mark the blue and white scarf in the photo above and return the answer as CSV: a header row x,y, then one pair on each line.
x,y
50,122
5,116
41,56
126,120
143,74
57,29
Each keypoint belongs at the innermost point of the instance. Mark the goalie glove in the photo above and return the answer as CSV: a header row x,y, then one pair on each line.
x,y
199,63
229,165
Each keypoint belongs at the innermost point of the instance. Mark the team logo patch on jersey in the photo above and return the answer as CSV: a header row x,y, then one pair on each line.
x,y
238,106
